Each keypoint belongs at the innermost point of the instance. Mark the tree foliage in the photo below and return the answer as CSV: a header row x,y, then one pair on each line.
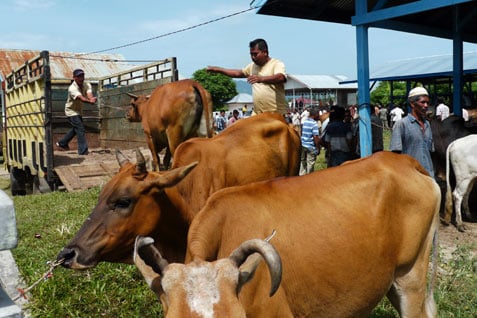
x,y
221,87
382,93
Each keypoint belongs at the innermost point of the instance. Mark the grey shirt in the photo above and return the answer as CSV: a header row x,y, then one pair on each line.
x,y
410,139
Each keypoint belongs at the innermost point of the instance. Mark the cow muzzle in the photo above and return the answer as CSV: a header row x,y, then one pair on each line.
x,y
70,259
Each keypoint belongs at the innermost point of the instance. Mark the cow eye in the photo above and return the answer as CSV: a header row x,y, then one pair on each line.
x,y
123,203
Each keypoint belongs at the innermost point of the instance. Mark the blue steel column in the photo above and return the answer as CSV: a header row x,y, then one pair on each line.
x,y
458,65
363,81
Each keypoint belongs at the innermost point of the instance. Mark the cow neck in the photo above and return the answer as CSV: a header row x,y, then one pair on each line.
x,y
176,197
170,234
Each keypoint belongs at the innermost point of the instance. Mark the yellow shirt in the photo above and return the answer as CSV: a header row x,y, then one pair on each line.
x,y
268,97
74,105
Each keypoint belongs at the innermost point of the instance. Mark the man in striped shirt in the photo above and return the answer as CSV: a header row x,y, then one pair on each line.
x,y
310,142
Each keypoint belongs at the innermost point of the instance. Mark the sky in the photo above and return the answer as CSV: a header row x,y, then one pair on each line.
x,y
210,36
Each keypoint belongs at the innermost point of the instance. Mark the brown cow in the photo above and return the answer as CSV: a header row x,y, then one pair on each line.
x,y
173,113
138,202
366,234
211,286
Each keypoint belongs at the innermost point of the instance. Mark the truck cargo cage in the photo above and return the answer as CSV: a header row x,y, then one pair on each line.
x,y
34,98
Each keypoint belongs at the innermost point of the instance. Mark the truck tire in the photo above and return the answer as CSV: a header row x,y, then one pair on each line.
x,y
17,181
40,185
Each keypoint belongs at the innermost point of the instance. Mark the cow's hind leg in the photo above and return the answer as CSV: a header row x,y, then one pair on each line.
x,y
154,153
167,159
465,202
459,194
409,294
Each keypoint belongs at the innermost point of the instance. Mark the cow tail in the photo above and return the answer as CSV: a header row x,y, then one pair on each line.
x,y
448,198
206,109
200,102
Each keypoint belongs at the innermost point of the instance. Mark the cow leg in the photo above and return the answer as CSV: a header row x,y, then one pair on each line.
x,y
154,153
408,293
174,137
167,159
446,220
465,202
458,194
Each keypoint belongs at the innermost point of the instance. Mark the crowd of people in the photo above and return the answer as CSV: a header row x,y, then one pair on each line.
x,y
333,128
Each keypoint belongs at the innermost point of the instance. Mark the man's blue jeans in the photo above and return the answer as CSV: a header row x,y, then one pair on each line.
x,y
78,131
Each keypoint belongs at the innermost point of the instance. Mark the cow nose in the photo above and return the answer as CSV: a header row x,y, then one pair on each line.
x,y
66,255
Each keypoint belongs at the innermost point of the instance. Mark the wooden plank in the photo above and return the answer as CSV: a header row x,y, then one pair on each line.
x,y
70,180
83,172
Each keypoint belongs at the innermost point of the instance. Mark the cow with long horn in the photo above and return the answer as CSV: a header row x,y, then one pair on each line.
x,y
201,288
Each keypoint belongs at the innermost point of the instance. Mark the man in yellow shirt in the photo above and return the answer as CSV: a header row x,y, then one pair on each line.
x,y
267,76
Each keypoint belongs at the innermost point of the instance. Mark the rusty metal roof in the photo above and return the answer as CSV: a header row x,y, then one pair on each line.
x,y
62,64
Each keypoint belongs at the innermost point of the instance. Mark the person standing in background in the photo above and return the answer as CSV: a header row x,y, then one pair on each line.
x,y
220,122
383,116
79,92
310,143
396,114
412,135
442,110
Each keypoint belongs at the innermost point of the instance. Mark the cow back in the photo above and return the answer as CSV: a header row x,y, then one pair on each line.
x,y
257,148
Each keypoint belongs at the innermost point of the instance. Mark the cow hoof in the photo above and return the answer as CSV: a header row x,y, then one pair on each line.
x,y
444,222
461,228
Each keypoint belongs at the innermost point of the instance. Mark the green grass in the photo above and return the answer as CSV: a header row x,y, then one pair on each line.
x,y
118,290
109,290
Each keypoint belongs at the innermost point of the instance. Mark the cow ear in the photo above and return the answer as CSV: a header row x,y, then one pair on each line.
x,y
150,263
247,269
172,177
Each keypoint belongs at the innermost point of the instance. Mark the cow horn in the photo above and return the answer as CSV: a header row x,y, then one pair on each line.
x,y
122,159
140,162
132,95
269,254
144,247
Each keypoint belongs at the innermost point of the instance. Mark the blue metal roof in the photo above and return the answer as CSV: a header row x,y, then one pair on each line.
x,y
435,66
426,17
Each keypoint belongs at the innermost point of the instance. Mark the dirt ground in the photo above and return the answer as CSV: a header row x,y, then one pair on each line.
x,y
450,238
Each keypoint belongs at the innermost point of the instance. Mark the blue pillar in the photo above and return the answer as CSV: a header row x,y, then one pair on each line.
x,y
458,65
365,138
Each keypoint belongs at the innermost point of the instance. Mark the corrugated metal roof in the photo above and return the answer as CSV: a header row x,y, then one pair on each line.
x,y
435,20
241,98
318,82
62,64
421,67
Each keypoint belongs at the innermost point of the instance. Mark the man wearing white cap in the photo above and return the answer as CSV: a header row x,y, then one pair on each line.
x,y
412,135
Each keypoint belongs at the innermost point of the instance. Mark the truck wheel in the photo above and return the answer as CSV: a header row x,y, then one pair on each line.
x,y
17,181
40,185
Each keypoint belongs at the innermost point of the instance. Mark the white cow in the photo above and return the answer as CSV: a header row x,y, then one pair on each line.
x,y
462,155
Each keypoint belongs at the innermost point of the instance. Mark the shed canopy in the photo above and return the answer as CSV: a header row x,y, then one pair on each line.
x,y
436,66
318,82
435,20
